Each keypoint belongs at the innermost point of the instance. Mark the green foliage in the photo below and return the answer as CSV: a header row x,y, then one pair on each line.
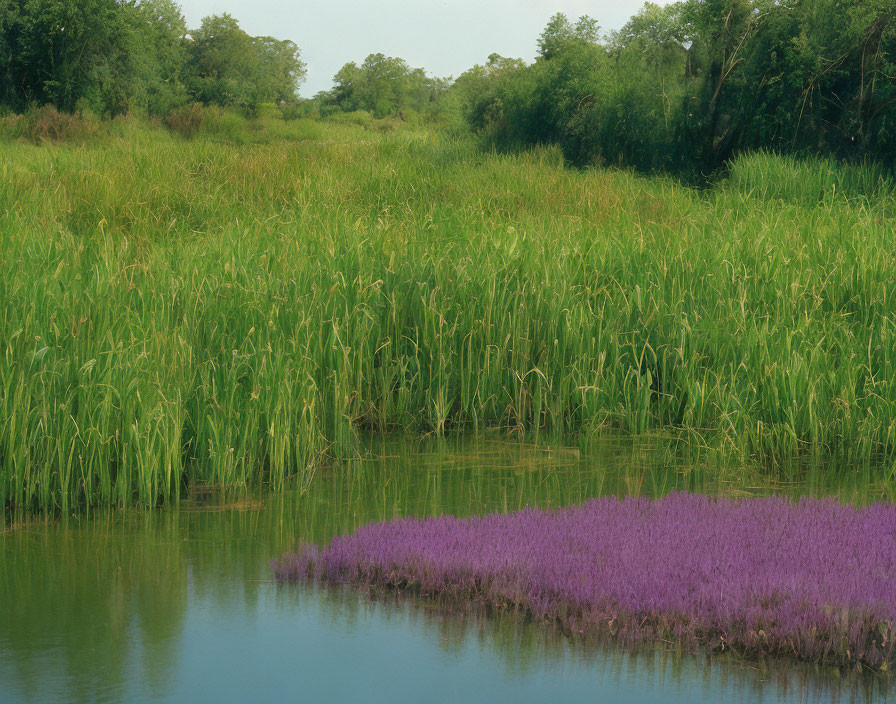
x,y
466,93
561,33
223,63
228,67
56,51
382,86
821,77
688,86
157,32
119,56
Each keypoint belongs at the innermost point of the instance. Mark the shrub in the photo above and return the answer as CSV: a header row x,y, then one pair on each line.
x,y
266,111
225,125
12,127
268,130
361,118
47,124
385,124
293,110
186,120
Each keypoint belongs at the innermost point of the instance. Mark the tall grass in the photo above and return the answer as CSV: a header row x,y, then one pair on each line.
x,y
178,310
809,180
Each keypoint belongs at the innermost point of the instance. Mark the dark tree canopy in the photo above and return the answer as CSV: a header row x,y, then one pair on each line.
x,y
688,85
56,51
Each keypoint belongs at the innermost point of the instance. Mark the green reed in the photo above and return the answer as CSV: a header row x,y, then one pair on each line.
x,y
230,311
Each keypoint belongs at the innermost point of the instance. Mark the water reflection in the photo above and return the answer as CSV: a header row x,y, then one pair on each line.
x,y
521,648
177,604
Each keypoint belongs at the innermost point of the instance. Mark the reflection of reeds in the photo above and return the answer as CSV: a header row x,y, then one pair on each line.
x,y
240,505
196,311
814,580
25,523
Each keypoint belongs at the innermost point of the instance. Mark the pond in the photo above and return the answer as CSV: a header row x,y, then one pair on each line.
x,y
179,604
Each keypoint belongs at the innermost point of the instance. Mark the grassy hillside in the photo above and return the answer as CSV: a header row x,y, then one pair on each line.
x,y
237,306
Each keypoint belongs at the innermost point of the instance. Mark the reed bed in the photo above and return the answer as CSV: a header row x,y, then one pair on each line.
x,y
236,309
814,580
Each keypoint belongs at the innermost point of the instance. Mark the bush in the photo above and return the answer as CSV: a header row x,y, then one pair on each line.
x,y
294,110
298,130
361,118
47,124
265,111
12,127
225,125
186,120
232,126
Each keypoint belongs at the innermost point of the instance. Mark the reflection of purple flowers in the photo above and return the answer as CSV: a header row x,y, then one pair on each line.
x,y
814,579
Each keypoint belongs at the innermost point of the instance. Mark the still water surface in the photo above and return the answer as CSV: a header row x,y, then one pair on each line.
x,y
178,605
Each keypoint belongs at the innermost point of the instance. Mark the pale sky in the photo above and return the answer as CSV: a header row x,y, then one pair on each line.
x,y
445,37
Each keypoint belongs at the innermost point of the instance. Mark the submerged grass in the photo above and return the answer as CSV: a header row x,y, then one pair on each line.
x,y
814,580
235,306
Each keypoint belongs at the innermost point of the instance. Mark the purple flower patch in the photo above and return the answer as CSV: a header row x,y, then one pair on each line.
x,y
815,580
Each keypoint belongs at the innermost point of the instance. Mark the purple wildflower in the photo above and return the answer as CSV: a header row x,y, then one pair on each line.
x,y
815,580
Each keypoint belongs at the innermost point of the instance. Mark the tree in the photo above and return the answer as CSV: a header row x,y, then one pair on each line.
x,y
120,55
722,32
226,66
56,51
560,32
474,82
158,55
382,85
223,65
282,68
657,32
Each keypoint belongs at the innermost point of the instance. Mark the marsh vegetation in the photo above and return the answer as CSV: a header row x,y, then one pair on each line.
x,y
210,280
239,306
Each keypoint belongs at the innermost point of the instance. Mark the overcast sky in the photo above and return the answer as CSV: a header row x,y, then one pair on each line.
x,y
445,37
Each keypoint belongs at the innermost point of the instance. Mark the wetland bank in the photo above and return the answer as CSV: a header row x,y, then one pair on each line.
x,y
571,377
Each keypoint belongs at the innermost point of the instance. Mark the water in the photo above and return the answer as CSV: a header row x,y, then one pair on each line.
x,y
178,605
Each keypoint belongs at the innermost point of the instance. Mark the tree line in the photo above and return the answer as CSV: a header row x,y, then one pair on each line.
x,y
688,85
681,87
119,56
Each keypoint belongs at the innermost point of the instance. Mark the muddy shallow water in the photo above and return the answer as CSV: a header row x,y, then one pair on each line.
x,y
178,604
